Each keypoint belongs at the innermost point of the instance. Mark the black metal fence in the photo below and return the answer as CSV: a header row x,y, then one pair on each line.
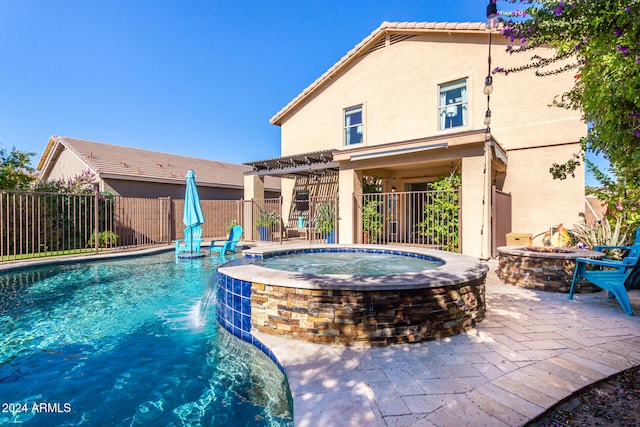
x,y
425,218
46,224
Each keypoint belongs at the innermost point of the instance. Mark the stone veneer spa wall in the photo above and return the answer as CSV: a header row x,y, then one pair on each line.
x,y
544,268
354,310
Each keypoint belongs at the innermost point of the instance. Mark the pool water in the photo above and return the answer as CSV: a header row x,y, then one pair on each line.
x,y
121,342
349,262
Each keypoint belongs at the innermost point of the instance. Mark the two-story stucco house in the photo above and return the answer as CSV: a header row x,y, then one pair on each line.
x,y
407,105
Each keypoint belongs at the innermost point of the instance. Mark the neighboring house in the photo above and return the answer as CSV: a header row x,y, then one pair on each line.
x,y
133,172
595,210
407,105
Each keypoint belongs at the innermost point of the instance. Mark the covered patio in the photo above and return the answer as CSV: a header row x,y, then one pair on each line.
x,y
404,171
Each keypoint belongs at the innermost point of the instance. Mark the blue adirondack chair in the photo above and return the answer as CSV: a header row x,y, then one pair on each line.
x,y
229,245
634,250
633,279
191,242
612,279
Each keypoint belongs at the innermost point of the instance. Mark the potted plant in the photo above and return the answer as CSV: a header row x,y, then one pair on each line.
x,y
371,221
326,222
265,222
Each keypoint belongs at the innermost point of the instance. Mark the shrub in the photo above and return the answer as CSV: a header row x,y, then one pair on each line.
x,y
106,239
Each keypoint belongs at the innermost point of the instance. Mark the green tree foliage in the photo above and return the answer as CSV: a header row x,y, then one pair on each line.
x,y
441,213
16,172
597,41
622,199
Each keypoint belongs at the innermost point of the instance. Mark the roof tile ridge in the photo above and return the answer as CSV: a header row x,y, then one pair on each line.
x,y
87,160
144,150
385,27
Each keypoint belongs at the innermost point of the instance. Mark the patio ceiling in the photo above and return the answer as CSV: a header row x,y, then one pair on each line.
x,y
305,164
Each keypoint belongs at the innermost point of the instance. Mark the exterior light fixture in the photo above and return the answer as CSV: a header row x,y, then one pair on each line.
x,y
487,135
488,85
492,15
492,23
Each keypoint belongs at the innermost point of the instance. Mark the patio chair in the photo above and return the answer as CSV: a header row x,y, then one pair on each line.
x,y
633,250
229,245
633,280
612,279
191,242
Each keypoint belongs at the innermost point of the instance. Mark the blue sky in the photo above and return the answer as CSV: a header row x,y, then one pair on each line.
x,y
192,77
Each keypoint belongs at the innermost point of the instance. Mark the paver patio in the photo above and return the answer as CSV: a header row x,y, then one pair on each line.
x,y
532,350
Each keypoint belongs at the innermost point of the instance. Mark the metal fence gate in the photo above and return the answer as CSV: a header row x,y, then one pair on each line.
x,y
425,218
500,219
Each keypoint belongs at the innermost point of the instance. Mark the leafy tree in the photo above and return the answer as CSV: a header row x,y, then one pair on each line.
x,y
441,212
597,41
16,172
621,197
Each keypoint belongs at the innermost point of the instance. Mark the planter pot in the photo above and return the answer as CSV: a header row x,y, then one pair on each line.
x,y
365,238
331,237
264,233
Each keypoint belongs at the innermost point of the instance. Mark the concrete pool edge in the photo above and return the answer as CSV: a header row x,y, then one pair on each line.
x,y
15,265
457,268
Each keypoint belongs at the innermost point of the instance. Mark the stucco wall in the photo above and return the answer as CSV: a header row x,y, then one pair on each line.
x,y
398,86
176,191
539,201
67,166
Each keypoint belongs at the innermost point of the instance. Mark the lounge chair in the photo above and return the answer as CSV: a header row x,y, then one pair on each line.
x,y
612,279
633,279
633,250
229,245
191,242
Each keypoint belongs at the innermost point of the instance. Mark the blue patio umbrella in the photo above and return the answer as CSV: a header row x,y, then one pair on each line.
x,y
192,210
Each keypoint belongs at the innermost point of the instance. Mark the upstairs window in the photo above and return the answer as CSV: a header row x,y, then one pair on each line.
x,y
353,126
453,105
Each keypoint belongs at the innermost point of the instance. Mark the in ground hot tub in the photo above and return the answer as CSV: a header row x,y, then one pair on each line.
x,y
378,309
542,267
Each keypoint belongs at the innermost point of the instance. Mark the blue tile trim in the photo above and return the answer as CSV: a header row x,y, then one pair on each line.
x,y
234,312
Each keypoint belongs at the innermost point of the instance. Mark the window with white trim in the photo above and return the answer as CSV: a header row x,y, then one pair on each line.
x,y
453,106
353,125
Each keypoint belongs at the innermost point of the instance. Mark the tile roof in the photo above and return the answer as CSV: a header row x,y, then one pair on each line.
x,y
115,161
362,48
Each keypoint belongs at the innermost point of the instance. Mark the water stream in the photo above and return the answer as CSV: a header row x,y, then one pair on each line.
x,y
209,296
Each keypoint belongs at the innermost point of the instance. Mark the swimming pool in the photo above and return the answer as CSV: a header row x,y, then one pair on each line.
x,y
121,342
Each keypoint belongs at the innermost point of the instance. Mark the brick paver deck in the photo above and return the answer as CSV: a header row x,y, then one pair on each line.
x,y
533,349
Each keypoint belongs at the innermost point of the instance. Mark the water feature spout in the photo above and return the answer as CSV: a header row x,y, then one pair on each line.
x,y
209,296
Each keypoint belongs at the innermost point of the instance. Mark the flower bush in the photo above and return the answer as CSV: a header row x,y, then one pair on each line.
x,y
599,42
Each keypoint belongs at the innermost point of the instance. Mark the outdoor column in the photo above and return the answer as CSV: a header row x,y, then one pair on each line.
x,y
253,190
253,187
350,183
475,221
